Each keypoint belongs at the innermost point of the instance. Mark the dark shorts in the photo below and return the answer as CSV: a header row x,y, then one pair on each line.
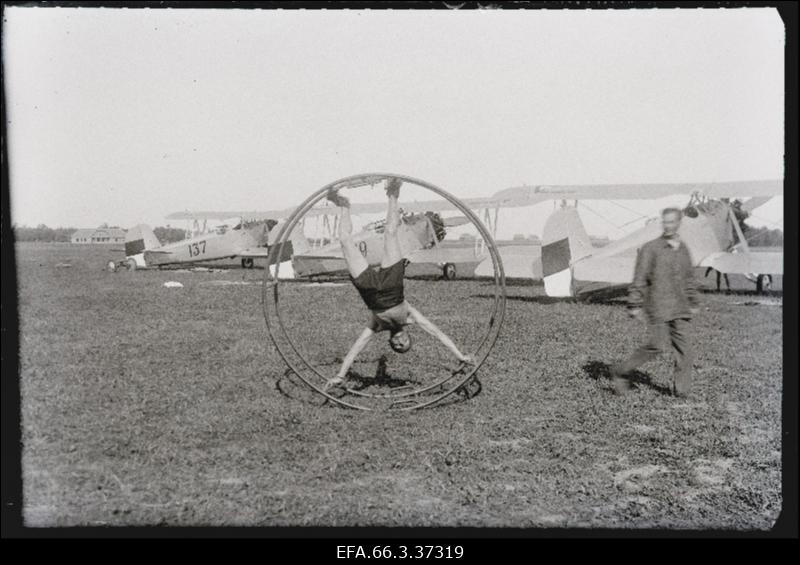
x,y
382,288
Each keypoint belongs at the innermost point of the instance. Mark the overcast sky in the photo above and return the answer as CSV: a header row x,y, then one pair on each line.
x,y
124,115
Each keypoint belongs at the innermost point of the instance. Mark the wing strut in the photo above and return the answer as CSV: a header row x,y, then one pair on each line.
x,y
738,230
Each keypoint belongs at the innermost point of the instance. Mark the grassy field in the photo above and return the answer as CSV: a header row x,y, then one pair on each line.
x,y
146,405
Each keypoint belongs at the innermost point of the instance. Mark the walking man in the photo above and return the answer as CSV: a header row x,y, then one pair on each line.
x,y
664,295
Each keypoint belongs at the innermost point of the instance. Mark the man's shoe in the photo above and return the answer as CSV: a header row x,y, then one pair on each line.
x,y
334,382
466,365
681,383
679,392
619,382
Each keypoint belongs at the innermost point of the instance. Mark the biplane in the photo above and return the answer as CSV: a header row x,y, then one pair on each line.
x,y
568,263
421,238
570,266
247,240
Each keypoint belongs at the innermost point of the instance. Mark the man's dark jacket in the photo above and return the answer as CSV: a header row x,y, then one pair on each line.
x,y
663,283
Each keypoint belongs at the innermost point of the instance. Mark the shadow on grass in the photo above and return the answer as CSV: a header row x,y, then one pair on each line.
x,y
531,299
598,370
614,297
518,281
428,278
743,292
381,378
292,387
470,389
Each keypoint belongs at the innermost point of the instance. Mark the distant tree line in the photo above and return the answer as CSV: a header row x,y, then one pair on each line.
x,y
42,233
763,237
756,237
167,234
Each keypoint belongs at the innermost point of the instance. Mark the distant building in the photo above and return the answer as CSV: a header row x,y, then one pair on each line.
x,y
99,235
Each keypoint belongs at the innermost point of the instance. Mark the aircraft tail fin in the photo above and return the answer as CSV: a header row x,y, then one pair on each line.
x,y
296,244
138,239
564,241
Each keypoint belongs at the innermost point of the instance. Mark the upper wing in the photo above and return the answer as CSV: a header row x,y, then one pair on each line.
x,y
753,203
534,194
363,208
524,196
225,215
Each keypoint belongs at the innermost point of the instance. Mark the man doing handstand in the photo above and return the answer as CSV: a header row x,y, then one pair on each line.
x,y
382,289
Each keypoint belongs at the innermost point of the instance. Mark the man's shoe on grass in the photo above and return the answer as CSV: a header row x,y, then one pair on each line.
x,y
621,384
679,391
333,383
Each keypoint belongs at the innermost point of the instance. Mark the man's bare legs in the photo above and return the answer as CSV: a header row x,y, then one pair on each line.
x,y
392,252
356,263
432,329
358,346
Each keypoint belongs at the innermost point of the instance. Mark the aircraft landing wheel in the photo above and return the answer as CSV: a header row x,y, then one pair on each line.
x,y
247,263
449,271
763,283
111,267
131,264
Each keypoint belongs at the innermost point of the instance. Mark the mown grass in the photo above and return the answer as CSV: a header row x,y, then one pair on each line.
x,y
147,405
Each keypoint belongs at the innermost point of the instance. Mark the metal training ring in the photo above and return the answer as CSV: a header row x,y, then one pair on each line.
x,y
415,398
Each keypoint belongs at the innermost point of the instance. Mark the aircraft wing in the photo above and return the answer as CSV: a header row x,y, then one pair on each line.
x,y
618,268
755,202
417,206
524,196
225,215
445,255
254,252
356,208
613,270
533,194
758,262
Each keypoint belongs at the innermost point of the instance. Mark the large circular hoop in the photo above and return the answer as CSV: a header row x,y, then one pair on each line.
x,y
403,400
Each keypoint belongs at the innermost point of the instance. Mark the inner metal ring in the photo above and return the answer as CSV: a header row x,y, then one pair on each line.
x,y
404,400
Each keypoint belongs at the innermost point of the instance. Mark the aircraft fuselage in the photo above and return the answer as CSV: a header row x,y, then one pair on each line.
x,y
209,247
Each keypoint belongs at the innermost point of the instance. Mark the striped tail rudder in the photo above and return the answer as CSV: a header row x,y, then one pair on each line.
x,y
564,241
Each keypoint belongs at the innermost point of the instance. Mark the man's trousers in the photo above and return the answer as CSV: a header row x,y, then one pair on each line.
x,y
658,333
